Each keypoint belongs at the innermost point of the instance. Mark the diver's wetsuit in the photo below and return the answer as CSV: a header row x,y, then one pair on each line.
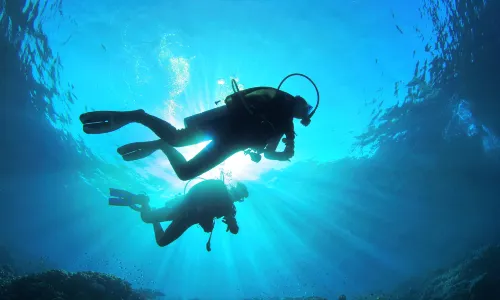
x,y
205,201
271,118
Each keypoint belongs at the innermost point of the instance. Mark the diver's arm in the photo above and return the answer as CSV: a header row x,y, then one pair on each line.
x,y
232,225
159,232
271,153
230,221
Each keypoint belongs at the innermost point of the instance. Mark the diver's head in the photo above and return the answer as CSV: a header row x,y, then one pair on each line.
x,y
301,109
238,192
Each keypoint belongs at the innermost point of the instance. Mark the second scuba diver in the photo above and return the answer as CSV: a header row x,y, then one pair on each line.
x,y
205,202
252,120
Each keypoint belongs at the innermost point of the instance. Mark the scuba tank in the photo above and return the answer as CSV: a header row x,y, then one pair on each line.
x,y
237,102
234,104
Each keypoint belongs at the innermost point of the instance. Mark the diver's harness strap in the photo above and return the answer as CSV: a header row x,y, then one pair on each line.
x,y
255,154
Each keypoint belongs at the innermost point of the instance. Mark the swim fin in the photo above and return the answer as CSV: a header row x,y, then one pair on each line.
x,y
124,198
135,151
97,122
120,202
120,193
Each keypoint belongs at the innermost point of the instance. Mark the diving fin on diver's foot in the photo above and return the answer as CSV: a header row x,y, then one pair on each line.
x,y
124,198
135,151
136,155
120,202
120,193
97,122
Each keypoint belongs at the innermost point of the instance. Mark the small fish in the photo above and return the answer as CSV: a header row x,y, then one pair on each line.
x,y
396,89
103,47
67,40
399,29
414,51
376,60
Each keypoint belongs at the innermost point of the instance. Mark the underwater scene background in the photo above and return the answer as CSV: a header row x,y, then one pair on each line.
x,y
392,193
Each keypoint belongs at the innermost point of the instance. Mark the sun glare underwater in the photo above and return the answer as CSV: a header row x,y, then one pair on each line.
x,y
395,176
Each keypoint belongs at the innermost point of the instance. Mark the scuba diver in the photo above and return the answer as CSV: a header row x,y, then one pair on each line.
x,y
206,201
252,120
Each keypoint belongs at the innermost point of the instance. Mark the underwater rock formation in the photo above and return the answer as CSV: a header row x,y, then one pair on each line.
x,y
6,275
61,285
476,277
289,298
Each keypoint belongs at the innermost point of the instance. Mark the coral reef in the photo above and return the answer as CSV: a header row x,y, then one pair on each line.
x,y
60,285
290,298
477,277
15,284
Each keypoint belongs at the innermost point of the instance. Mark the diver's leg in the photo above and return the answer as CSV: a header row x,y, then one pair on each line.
x,y
163,214
170,134
125,198
212,155
97,122
120,193
107,121
135,151
173,231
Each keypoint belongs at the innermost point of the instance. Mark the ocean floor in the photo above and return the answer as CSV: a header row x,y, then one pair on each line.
x,y
477,277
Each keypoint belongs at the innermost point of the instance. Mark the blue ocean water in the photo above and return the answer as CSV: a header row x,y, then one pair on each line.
x,y
340,218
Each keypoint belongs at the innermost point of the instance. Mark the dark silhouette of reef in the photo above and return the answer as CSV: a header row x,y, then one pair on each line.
x,y
289,298
476,277
62,285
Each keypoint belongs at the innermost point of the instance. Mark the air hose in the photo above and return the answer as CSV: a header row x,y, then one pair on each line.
x,y
314,85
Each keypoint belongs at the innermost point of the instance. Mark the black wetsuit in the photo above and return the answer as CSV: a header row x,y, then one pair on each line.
x,y
271,118
272,115
205,201
259,125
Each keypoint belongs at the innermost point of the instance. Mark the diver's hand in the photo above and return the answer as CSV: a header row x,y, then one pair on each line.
x,y
225,222
254,154
232,226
